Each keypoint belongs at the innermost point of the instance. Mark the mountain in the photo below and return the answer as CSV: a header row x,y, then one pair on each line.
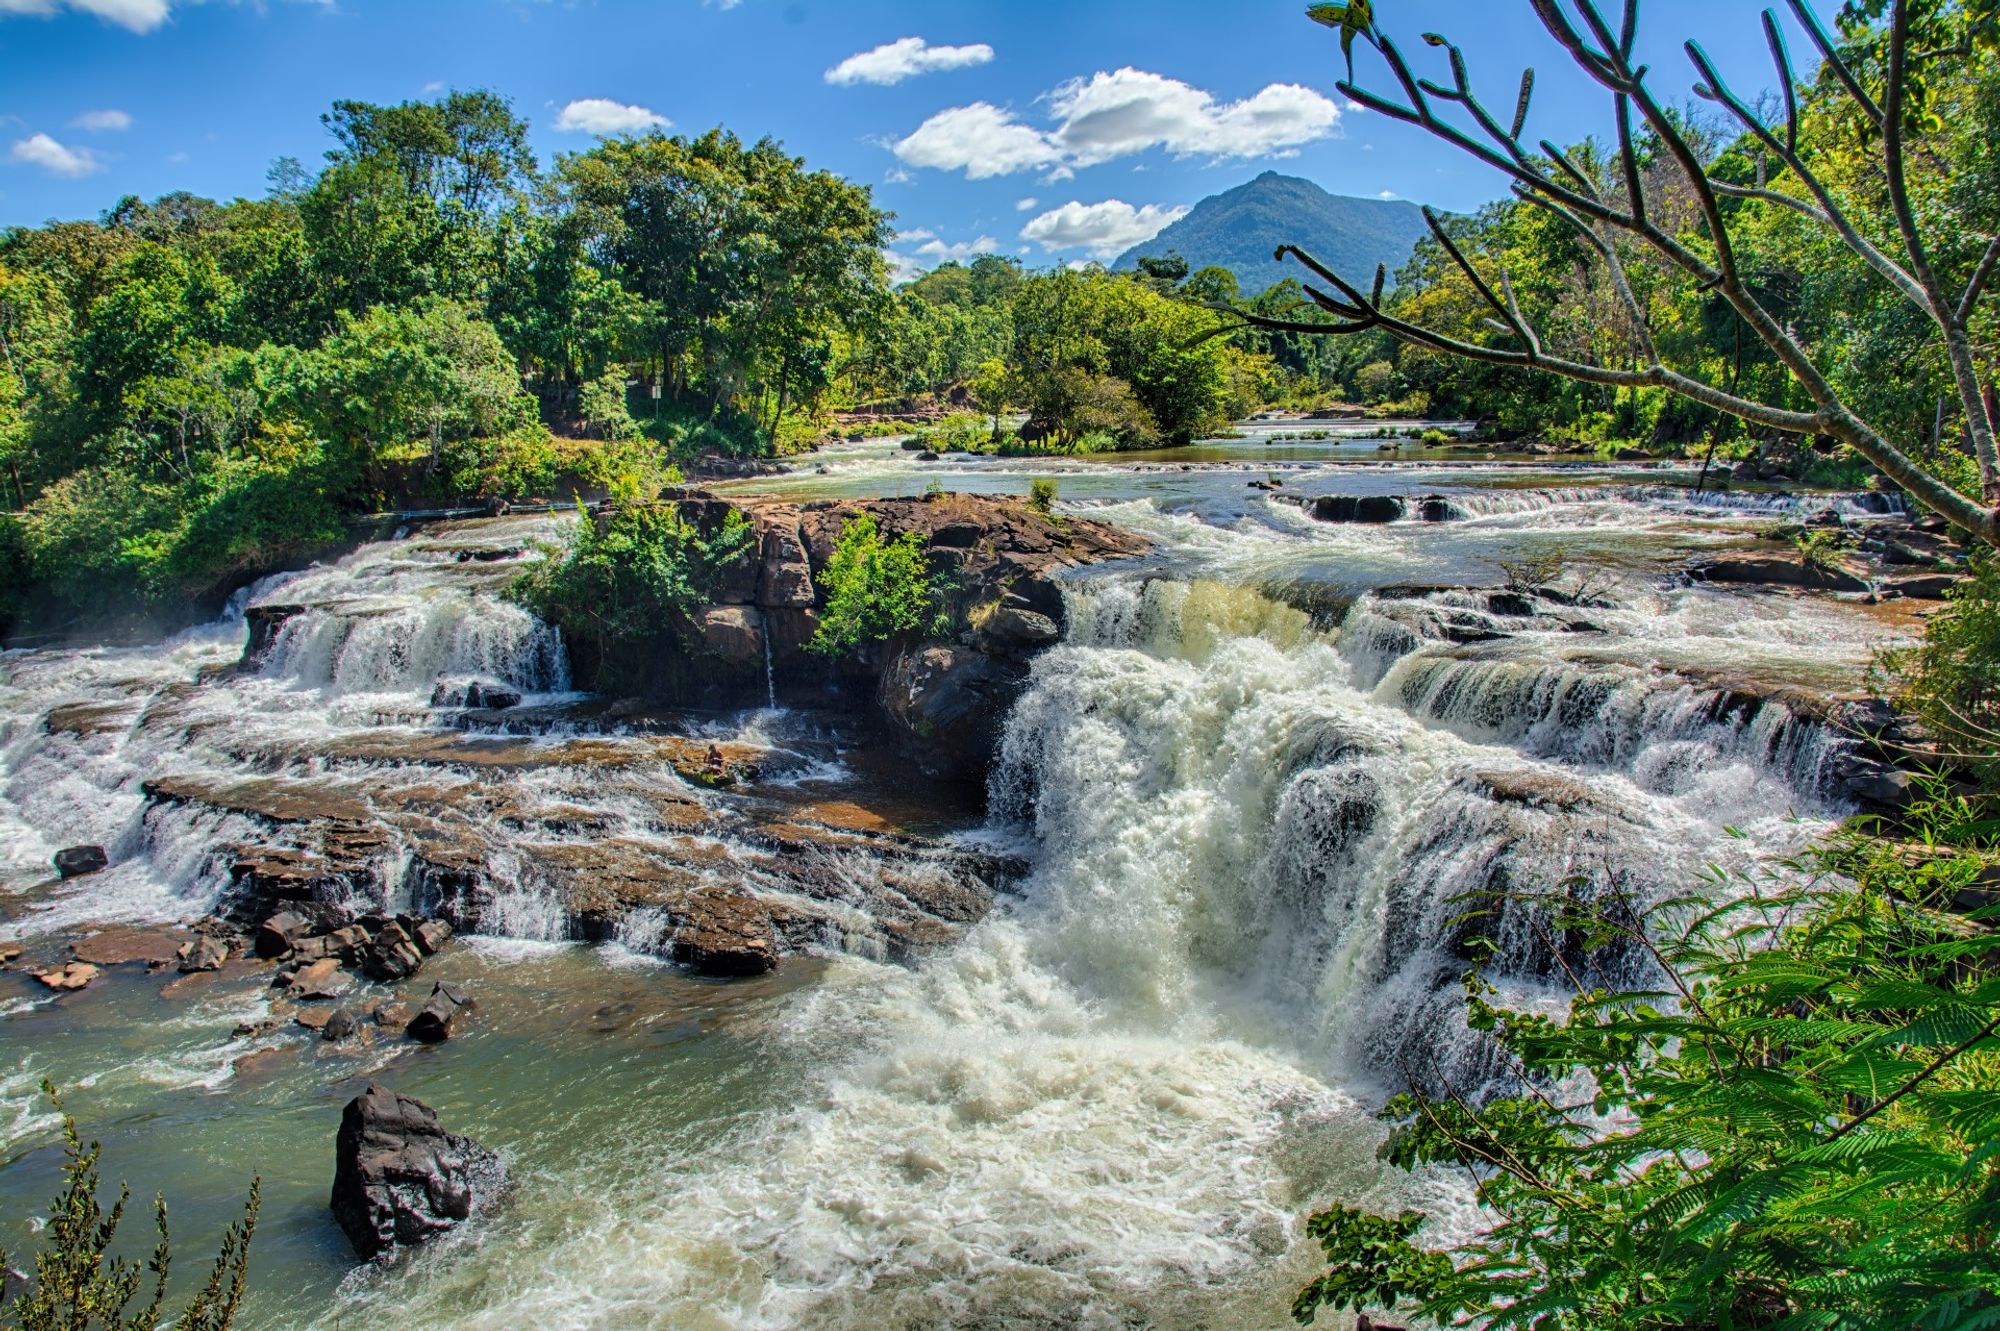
x,y
1239,230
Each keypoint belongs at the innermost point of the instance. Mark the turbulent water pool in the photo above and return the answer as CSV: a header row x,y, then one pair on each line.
x,y
1249,785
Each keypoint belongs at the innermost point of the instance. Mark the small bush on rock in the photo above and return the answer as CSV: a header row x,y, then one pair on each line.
x,y
876,590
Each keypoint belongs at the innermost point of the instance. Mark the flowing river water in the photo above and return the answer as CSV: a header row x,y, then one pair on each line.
x,y
1249,786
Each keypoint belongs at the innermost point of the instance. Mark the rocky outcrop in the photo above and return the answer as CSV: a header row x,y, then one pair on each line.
x,y
401,1180
733,634
949,705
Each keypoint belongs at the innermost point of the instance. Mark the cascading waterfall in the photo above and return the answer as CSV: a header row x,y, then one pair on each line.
x,y
1109,1104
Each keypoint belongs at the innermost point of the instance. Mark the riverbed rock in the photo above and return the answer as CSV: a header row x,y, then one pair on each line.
x,y
344,1024
393,956
1011,629
400,1180
321,979
1763,570
68,978
430,936
786,581
1925,586
126,945
1357,508
734,633
475,696
437,1018
263,623
278,935
81,861
203,954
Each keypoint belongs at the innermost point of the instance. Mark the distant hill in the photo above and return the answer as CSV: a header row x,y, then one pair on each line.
x,y
1239,230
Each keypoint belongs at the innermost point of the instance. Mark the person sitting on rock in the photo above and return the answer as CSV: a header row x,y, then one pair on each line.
x,y
715,763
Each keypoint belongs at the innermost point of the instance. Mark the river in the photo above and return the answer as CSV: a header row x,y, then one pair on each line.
x,y
1249,786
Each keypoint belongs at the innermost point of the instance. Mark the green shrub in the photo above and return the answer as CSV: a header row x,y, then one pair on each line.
x,y
1823,548
78,1286
1951,680
631,578
605,410
1042,495
1797,1127
876,590
957,434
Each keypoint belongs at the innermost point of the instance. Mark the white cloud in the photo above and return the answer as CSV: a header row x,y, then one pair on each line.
x,y
602,116
893,62
1386,194
140,16
1027,205
981,139
1105,230
1115,115
43,151
906,263
105,121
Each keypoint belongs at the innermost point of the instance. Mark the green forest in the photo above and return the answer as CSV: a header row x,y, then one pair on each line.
x,y
193,393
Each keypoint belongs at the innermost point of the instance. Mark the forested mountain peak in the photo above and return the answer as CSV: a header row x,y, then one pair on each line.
x,y
1240,229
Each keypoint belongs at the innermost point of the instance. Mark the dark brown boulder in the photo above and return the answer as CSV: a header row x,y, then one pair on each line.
x,y
203,954
1357,508
80,861
401,1180
393,956
946,705
436,1019
279,935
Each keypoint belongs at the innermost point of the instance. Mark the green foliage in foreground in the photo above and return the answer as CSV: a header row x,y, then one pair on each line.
x,y
1951,680
78,1286
876,590
1801,1129
635,576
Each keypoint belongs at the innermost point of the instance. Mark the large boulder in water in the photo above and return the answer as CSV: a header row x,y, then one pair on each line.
x,y
400,1179
79,861
1357,508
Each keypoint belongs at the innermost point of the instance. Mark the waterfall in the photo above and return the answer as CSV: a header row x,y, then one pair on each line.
x,y
770,668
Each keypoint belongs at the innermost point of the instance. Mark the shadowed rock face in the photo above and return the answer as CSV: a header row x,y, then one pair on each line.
x,y
401,1180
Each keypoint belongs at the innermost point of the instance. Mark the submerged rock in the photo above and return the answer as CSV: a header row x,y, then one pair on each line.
x,y
80,861
401,1180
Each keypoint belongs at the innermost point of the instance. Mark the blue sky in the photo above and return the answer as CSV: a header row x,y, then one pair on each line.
x,y
1058,131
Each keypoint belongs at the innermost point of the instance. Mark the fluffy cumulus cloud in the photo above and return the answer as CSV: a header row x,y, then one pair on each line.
x,y
1112,115
982,140
106,121
895,61
54,158
602,116
1103,230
